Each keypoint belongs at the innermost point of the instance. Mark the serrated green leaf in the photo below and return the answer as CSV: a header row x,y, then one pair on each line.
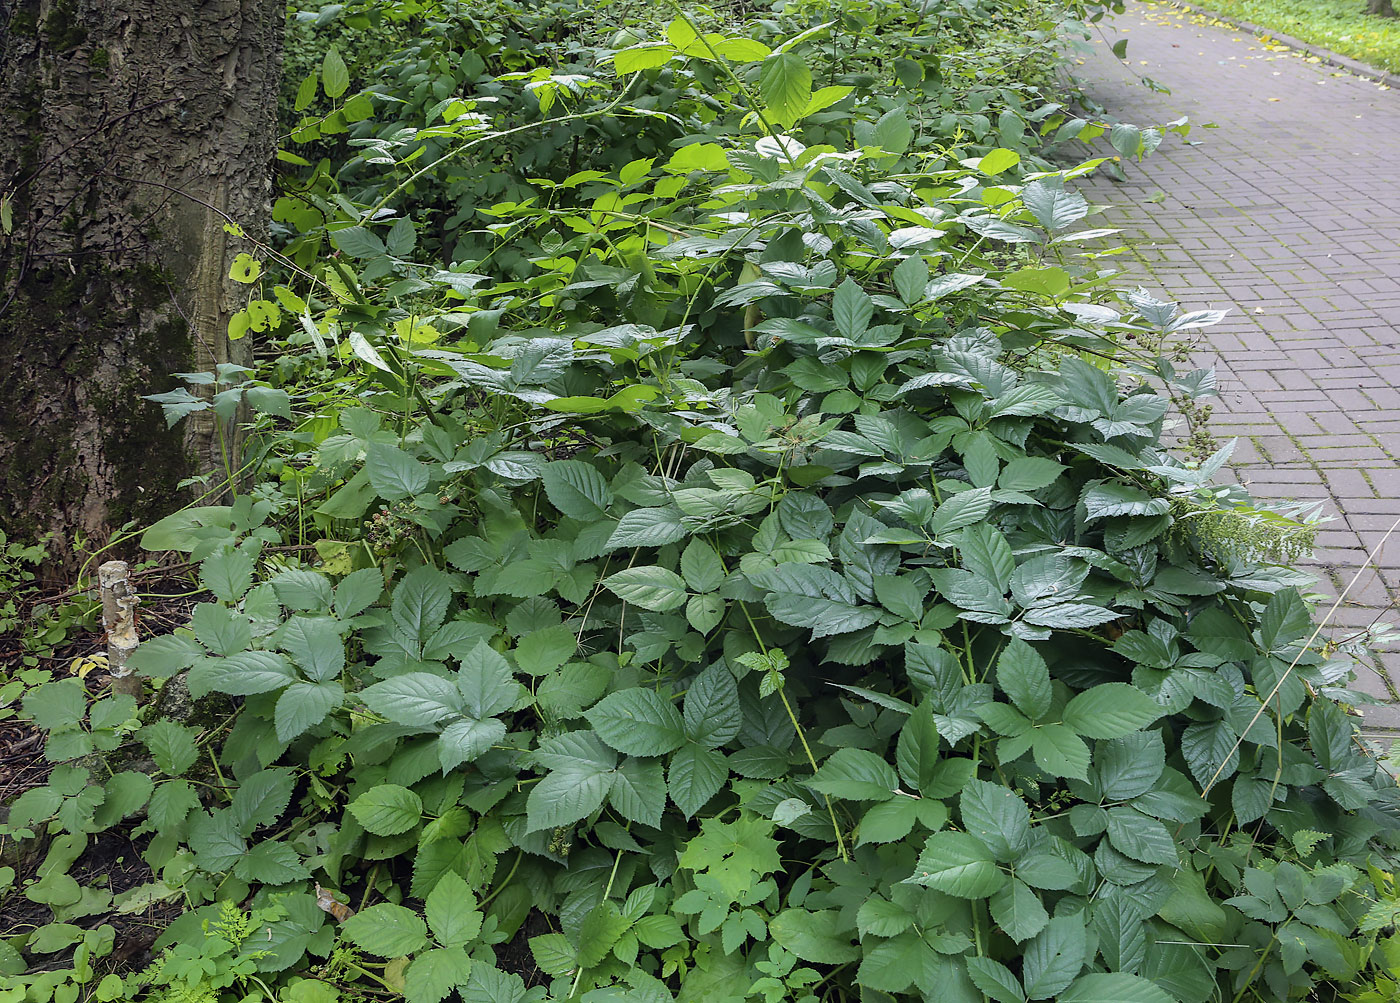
x,y
1135,835
1111,710
577,489
228,574
387,809
1054,957
712,715
420,602
451,911
434,974
958,864
1113,987
993,978
649,527
335,76
814,935
996,816
357,591
856,775
1024,677
315,644
485,681
638,722
302,590
852,309
386,931
303,706
467,739
1018,911
261,799
785,85
394,473
1060,752
172,746
695,775
639,791
650,587
415,698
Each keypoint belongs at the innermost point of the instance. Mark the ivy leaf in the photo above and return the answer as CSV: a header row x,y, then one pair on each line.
x,y
387,809
649,587
386,931
638,722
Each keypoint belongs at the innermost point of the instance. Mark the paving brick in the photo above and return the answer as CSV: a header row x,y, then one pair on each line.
x,y
1274,216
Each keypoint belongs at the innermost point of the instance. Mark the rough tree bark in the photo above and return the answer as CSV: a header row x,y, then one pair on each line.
x,y
1381,8
128,131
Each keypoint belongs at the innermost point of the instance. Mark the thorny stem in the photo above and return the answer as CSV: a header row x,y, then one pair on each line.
x,y
801,737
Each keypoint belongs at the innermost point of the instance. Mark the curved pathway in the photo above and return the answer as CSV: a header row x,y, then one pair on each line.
x,y
1288,212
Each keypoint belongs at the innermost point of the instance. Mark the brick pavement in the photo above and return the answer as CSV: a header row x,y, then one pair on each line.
x,y
1288,212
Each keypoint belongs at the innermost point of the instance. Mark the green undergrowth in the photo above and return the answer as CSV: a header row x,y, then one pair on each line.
x,y
1343,26
708,534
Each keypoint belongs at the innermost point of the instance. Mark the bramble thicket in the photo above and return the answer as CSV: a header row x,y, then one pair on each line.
x,y
712,527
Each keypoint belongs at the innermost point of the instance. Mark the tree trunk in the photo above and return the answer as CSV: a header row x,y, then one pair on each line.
x,y
1381,8
129,132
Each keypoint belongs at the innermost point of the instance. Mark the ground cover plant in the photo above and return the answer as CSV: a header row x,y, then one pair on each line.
x,y
709,534
1342,26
